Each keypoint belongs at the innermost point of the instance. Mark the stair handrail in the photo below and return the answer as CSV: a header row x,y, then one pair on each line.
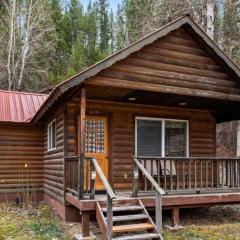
x,y
159,191
110,196
103,178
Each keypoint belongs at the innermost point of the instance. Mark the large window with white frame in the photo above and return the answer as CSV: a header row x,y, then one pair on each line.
x,y
157,137
52,135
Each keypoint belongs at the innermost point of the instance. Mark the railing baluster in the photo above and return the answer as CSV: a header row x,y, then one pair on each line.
x,y
227,174
145,179
201,174
223,179
233,173
238,173
171,185
152,173
212,173
189,174
195,174
206,179
183,174
165,174
87,176
177,172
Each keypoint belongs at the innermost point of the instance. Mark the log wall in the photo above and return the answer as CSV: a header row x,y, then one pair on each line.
x,y
54,159
174,64
21,158
122,131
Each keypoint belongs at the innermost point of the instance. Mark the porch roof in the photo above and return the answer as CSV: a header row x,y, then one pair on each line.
x,y
194,29
222,110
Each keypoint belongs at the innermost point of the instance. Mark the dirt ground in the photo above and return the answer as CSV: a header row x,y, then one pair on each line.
x,y
40,222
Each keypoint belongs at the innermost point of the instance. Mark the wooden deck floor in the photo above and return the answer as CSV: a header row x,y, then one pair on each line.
x,y
169,201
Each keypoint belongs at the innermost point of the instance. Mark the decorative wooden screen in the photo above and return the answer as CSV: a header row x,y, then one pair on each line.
x,y
94,136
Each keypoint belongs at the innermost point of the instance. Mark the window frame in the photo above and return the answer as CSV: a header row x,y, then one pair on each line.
x,y
163,120
50,140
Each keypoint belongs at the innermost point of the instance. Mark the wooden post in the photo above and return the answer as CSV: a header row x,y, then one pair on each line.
x,y
109,217
158,213
135,179
175,217
82,142
93,178
85,225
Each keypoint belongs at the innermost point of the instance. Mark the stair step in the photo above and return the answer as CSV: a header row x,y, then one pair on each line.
x,y
132,227
138,236
124,208
129,217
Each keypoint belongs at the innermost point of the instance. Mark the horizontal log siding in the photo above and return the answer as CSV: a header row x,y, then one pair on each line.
x,y
54,161
122,122
173,64
21,158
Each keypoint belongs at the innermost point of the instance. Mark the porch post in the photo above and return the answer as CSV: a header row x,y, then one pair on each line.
x,y
85,224
175,217
82,141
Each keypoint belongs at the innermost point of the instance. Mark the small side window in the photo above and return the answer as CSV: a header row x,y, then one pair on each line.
x,y
52,135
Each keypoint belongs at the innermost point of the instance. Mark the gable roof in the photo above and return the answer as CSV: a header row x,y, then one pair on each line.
x,y
19,107
122,54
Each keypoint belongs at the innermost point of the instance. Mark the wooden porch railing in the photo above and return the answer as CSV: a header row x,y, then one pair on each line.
x,y
194,174
159,192
91,170
71,174
110,194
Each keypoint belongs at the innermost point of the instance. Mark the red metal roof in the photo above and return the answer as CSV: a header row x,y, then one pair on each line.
x,y
19,106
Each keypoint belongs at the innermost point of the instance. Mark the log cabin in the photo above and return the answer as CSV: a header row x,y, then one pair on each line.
x,y
133,132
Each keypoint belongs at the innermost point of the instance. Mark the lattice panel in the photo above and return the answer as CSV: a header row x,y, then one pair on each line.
x,y
94,136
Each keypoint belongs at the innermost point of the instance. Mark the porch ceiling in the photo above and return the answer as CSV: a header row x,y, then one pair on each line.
x,y
223,110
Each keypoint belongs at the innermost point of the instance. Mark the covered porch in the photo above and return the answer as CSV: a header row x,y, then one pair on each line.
x,y
110,166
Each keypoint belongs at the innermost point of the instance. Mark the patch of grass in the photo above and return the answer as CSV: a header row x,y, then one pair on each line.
x,y
31,223
218,232
44,229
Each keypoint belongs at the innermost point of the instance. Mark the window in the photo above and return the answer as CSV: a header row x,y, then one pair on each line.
x,y
52,135
175,139
149,138
161,137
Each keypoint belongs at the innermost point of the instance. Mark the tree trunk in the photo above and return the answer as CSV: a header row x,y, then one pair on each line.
x,y
210,18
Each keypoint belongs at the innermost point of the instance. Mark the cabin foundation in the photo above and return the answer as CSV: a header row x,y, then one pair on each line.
x,y
22,197
67,212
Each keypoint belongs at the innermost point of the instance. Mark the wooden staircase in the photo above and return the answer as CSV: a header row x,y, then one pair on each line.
x,y
130,221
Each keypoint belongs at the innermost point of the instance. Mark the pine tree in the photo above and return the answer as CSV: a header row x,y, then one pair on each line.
x,y
78,58
61,57
111,33
92,50
76,18
103,22
120,28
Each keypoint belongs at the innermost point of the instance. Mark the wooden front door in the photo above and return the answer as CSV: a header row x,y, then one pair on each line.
x,y
96,144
